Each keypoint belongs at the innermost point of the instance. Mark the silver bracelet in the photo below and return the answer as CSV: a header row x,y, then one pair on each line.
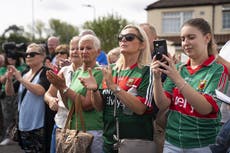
x,y
181,88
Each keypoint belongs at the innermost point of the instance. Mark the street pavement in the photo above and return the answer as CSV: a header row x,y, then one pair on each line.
x,y
13,148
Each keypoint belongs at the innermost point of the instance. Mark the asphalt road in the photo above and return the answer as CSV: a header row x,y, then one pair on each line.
x,y
13,148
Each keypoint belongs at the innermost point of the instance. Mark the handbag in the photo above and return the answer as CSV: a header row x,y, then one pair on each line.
x,y
73,140
136,146
131,145
14,132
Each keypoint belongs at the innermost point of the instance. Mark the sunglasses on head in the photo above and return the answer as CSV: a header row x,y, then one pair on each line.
x,y
129,37
61,52
32,54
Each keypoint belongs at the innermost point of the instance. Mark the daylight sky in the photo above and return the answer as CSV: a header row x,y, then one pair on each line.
x,y
75,12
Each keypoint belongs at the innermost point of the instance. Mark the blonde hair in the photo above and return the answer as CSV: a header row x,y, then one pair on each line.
x,y
145,55
62,47
115,52
75,39
41,49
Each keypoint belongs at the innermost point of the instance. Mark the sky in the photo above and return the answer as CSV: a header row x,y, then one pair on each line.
x,y
75,12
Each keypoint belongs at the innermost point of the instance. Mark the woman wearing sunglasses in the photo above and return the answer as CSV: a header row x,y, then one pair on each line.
x,y
126,86
61,58
31,106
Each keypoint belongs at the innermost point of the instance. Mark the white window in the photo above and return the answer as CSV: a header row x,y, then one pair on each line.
x,y
172,21
226,17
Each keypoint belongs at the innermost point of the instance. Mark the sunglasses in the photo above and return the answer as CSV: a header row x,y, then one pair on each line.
x,y
129,37
31,54
61,52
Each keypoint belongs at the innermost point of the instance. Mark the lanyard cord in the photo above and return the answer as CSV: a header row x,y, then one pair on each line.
x,y
115,108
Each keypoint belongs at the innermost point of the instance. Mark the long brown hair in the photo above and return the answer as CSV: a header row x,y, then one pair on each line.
x,y
205,28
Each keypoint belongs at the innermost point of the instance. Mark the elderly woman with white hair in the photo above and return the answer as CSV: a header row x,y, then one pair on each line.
x,y
89,47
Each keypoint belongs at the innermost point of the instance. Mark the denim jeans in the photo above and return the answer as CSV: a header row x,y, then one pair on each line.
x,y
53,140
169,148
222,140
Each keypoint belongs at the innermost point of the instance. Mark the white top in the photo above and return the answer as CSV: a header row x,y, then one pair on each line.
x,y
225,108
62,113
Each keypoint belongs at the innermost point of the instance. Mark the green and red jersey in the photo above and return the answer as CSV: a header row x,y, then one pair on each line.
x,y
186,128
131,125
3,70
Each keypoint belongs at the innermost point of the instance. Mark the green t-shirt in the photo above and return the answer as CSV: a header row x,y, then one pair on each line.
x,y
92,118
3,70
186,128
131,125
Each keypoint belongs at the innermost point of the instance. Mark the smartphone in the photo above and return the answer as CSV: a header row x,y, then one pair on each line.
x,y
160,48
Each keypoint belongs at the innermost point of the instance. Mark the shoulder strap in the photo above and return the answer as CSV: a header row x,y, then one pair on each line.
x,y
24,91
77,107
70,114
78,110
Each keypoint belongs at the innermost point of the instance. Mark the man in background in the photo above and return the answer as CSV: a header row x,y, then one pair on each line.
x,y
151,33
52,43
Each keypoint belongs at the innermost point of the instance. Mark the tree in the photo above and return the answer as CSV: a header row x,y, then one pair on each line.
x,y
64,30
15,34
39,28
107,29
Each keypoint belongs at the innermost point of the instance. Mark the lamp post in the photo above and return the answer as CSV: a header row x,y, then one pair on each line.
x,y
32,26
93,7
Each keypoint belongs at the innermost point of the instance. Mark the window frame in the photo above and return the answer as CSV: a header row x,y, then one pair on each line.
x,y
167,16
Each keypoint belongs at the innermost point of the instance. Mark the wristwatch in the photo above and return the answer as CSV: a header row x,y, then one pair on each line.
x,y
65,90
117,89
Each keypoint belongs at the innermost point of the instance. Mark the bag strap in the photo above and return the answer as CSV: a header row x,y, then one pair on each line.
x,y
116,119
70,114
77,108
24,91
117,136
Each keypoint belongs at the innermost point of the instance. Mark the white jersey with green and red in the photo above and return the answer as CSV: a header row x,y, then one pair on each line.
x,y
186,128
131,125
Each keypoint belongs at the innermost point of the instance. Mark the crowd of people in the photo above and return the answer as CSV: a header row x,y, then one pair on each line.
x,y
170,103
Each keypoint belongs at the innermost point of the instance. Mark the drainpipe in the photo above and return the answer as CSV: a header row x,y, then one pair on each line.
x,y
213,18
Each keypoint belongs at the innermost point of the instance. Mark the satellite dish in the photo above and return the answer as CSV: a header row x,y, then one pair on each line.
x,y
225,51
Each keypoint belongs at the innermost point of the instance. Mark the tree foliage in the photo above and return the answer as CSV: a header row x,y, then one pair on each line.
x,y
107,29
62,29
15,34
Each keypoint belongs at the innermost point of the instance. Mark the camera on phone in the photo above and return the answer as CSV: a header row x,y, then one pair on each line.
x,y
160,48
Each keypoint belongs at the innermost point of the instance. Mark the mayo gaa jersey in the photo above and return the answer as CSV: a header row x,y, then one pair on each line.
x,y
186,128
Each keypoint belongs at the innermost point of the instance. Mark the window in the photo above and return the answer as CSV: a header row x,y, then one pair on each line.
x,y
226,17
172,21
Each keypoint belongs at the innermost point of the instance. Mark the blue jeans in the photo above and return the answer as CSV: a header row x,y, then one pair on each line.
x,y
53,140
222,139
170,148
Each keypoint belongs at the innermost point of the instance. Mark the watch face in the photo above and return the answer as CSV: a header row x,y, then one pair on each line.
x,y
117,89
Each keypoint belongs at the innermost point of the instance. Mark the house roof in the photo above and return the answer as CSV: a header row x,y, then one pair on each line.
x,y
220,39
184,3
